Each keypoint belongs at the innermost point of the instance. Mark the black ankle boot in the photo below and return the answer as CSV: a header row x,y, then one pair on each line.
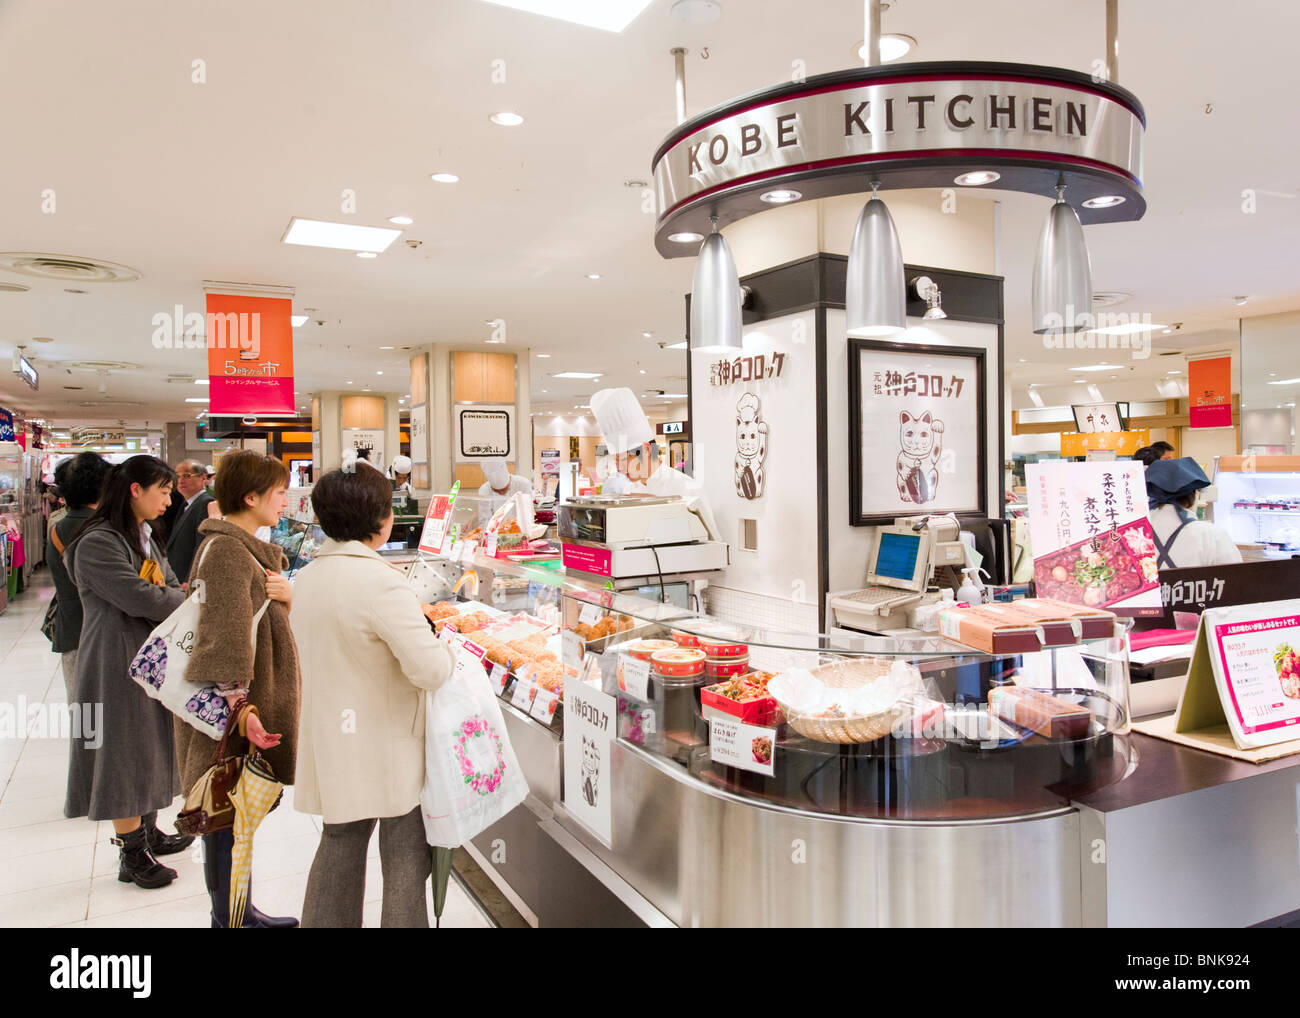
x,y
217,849
137,863
160,843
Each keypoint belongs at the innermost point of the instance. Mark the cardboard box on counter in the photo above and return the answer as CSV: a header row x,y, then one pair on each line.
x,y
993,633
1094,623
1047,715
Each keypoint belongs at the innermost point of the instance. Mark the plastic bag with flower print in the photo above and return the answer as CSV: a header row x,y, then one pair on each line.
x,y
471,775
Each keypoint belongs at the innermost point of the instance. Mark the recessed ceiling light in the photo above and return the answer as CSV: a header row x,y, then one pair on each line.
x,y
587,375
1104,201
686,237
593,275
976,177
387,348
780,196
1240,301
1168,331
647,335
196,399
349,381
1080,381
367,254
1098,367
378,372
401,220
506,119
607,15
893,46
643,371
202,381
341,236
1124,330
1286,381
543,356
1175,372
297,321
676,346
443,177
1022,360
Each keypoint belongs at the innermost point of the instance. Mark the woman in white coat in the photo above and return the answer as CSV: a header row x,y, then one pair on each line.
x,y
367,656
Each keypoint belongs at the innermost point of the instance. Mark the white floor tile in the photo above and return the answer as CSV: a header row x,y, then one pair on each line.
x,y
22,812
46,837
44,869
191,912
45,906
109,896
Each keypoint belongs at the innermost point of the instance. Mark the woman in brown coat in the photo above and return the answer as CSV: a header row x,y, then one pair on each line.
x,y
237,574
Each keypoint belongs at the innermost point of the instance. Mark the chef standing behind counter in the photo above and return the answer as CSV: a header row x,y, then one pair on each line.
x,y
500,485
1183,541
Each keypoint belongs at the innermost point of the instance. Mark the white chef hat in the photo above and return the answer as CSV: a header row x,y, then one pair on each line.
x,y
621,420
402,465
494,469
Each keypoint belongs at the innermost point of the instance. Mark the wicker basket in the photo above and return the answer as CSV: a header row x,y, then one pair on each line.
x,y
850,728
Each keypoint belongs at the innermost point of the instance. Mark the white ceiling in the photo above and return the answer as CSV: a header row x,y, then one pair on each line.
x,y
305,98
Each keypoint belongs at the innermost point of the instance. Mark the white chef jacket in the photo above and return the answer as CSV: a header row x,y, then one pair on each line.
x,y
490,501
1201,543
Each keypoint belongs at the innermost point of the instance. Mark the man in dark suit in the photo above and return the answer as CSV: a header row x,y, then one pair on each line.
x,y
191,483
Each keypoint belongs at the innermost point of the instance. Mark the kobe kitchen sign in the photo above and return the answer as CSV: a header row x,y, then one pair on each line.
x,y
918,126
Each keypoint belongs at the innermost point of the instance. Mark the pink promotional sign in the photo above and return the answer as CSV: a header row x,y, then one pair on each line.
x,y
585,559
1262,671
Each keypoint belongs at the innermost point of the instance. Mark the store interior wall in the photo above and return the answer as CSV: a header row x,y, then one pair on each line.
x,y
1270,358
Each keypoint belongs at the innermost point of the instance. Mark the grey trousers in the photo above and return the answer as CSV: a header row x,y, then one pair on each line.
x,y
69,662
336,886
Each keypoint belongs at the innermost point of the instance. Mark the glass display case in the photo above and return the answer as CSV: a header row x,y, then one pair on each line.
x,y
1258,502
727,739
868,727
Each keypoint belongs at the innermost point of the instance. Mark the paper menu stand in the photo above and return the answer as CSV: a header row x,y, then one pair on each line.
x,y
1234,680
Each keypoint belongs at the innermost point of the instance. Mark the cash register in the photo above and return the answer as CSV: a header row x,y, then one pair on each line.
x,y
907,558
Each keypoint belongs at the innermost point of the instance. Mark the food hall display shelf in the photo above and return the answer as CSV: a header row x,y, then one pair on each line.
x,y
1258,502
754,777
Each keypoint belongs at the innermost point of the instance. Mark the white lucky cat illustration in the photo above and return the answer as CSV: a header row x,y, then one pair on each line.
x,y
918,463
751,448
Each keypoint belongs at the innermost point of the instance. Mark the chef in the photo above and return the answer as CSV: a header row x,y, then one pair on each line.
x,y
500,485
1183,541
627,432
399,476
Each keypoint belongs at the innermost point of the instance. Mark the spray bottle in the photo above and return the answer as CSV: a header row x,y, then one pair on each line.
x,y
970,590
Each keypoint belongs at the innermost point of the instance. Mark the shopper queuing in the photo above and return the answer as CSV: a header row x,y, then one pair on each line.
x,y
192,483
368,656
239,574
80,481
125,588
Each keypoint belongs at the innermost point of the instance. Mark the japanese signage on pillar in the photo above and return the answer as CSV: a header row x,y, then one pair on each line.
x,y
1092,541
250,354
1209,385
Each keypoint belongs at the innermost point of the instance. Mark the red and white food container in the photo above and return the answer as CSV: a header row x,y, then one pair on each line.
x,y
726,668
678,663
686,639
644,650
721,647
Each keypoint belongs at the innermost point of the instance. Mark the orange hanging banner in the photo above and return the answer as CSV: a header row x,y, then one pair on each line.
x,y
250,354
1209,390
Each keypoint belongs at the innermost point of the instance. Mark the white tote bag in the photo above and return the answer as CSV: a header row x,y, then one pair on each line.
x,y
471,775
159,666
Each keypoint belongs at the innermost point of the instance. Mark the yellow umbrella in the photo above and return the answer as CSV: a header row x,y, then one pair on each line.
x,y
254,796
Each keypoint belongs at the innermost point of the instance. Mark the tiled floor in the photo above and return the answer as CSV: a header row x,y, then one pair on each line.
x,y
58,872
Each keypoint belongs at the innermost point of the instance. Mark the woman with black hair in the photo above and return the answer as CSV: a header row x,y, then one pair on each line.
x,y
127,771
80,481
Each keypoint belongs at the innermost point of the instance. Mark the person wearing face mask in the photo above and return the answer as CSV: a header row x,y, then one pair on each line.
x,y
1183,541
240,573
500,485
126,770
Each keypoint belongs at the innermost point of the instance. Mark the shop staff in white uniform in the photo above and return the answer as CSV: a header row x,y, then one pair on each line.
x,y
1183,541
500,485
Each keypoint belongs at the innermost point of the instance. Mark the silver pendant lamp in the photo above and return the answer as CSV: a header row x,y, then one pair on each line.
x,y
1062,272
876,297
715,298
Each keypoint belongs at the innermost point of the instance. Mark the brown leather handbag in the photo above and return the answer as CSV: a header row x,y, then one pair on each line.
x,y
208,807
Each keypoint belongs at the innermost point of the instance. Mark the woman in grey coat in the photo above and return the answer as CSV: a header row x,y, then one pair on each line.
x,y
126,770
